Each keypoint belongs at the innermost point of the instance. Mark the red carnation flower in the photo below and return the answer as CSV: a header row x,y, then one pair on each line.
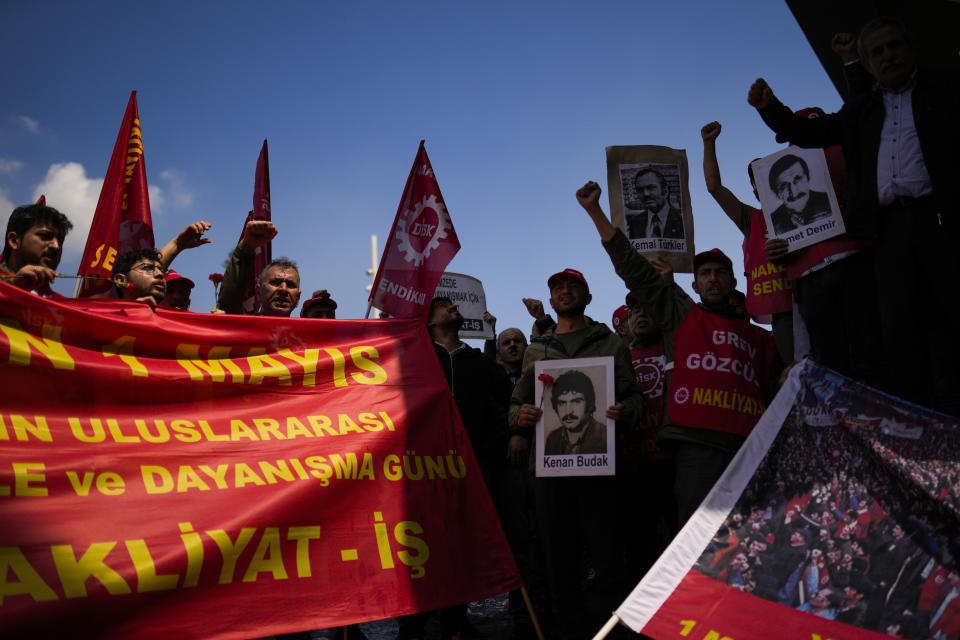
x,y
216,278
545,378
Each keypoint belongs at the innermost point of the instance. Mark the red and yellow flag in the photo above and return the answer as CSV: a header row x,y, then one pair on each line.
x,y
122,220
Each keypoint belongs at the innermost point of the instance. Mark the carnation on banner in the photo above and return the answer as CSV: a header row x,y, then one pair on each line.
x,y
122,219
168,474
421,244
838,518
262,255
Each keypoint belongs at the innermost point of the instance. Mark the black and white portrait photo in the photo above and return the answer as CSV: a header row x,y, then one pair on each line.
x,y
651,200
574,437
797,196
647,186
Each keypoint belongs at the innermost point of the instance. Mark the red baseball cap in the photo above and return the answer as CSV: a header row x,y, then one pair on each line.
x,y
320,297
713,255
569,274
620,315
173,275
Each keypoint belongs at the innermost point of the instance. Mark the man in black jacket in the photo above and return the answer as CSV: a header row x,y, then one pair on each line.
x,y
900,145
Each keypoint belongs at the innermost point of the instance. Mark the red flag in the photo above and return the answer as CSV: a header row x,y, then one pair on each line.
x,y
422,243
122,220
42,200
261,211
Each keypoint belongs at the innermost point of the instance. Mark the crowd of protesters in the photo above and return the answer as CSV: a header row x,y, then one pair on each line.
x,y
810,537
822,528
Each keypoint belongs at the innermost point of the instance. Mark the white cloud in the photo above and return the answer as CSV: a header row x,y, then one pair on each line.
x,y
5,205
9,166
175,191
28,123
68,189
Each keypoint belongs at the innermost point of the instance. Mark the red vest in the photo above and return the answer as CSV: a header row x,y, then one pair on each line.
x,y
768,289
649,363
720,364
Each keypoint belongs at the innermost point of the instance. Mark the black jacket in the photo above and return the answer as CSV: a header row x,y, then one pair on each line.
x,y
482,391
857,126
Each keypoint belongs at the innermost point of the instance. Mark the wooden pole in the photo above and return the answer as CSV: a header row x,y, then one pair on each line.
x,y
607,628
533,615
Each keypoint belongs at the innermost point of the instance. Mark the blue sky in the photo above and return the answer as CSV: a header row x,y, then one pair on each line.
x,y
516,102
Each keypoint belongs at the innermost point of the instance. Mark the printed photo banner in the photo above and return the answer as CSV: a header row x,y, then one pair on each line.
x,y
467,293
837,519
650,201
574,437
796,192
172,474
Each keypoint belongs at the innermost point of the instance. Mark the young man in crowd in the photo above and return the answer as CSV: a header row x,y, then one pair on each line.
x,y
33,245
320,305
578,514
711,408
178,290
139,275
899,143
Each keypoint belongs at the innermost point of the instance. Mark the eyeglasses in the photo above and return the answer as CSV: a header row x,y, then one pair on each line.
x,y
150,268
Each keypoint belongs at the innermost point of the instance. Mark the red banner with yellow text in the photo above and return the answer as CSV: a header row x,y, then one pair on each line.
x,y
169,474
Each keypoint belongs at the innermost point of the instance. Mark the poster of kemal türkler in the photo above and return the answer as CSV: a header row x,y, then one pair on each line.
x,y
799,204
650,201
574,436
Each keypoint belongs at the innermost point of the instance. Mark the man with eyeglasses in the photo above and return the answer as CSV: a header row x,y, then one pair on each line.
x,y
139,275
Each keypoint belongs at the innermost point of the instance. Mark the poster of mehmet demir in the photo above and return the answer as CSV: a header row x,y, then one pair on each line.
x,y
574,437
796,193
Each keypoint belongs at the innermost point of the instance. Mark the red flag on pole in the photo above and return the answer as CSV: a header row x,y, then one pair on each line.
x,y
122,220
421,244
42,200
261,211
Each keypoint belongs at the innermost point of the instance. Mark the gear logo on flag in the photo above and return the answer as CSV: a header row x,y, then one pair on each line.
x,y
420,230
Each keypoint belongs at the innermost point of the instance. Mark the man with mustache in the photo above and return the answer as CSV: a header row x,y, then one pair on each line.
x,y
574,402
32,247
661,219
900,146
724,368
277,289
790,182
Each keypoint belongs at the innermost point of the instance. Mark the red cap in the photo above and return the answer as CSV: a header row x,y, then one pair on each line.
x,y
319,297
620,315
714,255
570,274
811,113
173,275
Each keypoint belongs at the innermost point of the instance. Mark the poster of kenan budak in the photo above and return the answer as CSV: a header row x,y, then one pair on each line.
x,y
650,201
574,437
467,293
796,193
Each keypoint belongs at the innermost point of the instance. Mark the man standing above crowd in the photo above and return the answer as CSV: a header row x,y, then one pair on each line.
x,y
278,287
32,247
900,146
724,367
578,514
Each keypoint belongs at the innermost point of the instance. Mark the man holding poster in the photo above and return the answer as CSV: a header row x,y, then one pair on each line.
x,y
724,367
577,514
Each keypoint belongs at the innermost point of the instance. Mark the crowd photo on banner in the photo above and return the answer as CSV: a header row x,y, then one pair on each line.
x,y
776,454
